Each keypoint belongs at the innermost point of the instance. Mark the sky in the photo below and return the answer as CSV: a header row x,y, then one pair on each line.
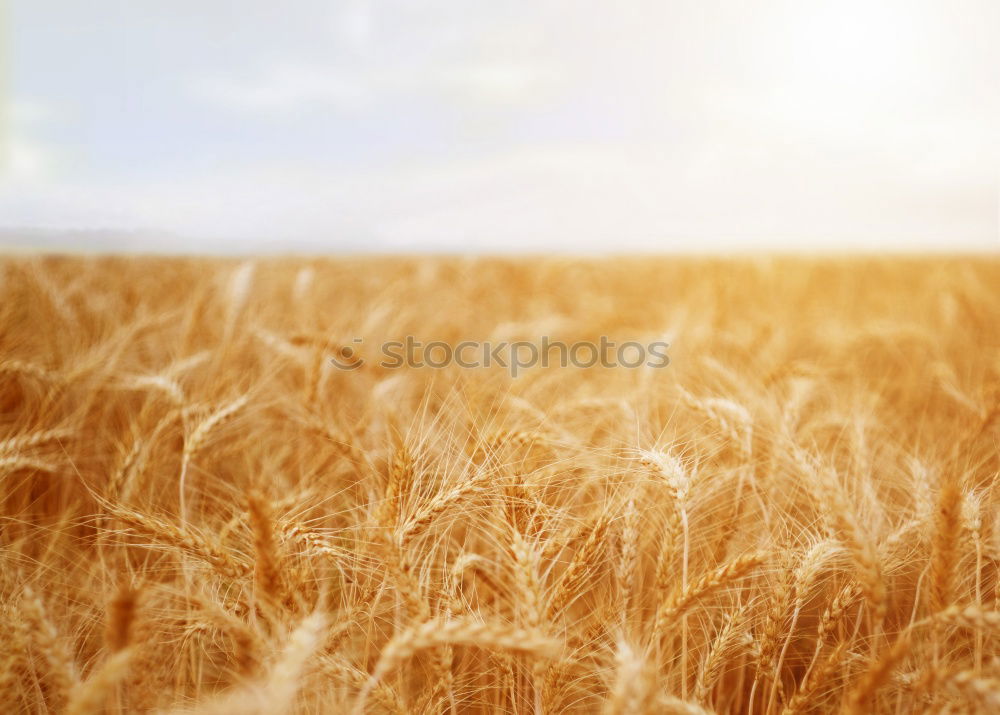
x,y
467,125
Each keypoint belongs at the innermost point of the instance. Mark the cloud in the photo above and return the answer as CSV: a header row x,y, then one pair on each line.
x,y
384,54
27,160
287,88
25,113
22,156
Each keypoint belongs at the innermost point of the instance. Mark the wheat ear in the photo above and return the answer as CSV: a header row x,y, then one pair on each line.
x,y
633,691
436,506
121,614
13,446
91,696
456,632
877,674
196,441
181,538
984,690
683,599
61,671
267,571
579,566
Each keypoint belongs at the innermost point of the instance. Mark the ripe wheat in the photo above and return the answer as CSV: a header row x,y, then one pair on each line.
x,y
201,513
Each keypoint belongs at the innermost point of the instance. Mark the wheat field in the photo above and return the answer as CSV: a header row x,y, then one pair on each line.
x,y
202,514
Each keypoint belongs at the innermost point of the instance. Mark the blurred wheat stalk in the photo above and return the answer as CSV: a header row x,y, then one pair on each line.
x,y
200,514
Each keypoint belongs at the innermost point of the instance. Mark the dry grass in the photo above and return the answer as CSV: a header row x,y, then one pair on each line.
x,y
200,514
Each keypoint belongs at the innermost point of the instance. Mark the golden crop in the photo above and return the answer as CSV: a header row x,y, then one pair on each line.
x,y
200,513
